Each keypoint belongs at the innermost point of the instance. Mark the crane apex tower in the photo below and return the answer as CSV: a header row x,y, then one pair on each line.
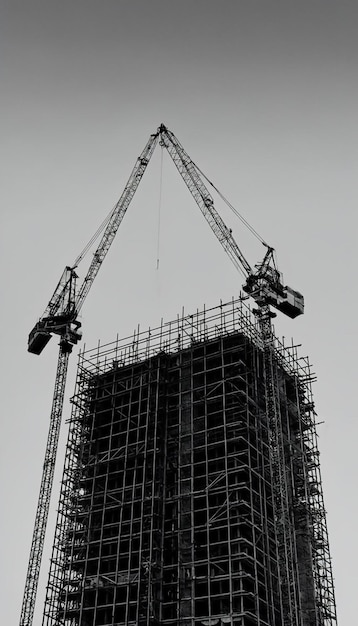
x,y
191,492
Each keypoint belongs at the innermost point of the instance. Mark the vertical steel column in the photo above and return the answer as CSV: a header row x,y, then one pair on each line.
x,y
185,465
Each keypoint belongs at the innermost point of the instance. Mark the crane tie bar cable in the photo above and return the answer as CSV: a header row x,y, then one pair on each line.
x,y
95,236
235,211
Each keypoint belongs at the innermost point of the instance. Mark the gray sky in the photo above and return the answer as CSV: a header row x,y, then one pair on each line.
x,y
263,96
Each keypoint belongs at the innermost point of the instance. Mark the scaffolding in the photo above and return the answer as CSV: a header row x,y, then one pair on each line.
x,y
167,511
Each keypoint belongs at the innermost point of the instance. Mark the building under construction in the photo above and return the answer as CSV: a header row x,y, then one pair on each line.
x,y
183,501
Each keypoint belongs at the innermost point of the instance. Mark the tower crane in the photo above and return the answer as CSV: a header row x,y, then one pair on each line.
x,y
264,283
61,318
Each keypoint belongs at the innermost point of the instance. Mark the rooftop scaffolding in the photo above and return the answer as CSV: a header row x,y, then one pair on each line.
x,y
167,507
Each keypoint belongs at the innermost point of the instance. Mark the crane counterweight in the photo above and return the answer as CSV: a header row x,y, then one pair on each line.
x,y
60,325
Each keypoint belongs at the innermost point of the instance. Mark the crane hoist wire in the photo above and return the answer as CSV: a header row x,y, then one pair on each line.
x,y
160,203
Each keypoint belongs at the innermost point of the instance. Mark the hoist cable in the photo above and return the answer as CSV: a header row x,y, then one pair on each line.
x,y
160,203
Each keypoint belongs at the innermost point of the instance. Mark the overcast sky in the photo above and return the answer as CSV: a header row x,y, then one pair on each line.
x,y
263,96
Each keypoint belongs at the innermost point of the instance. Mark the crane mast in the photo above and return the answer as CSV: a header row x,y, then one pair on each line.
x,y
43,504
283,527
263,283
